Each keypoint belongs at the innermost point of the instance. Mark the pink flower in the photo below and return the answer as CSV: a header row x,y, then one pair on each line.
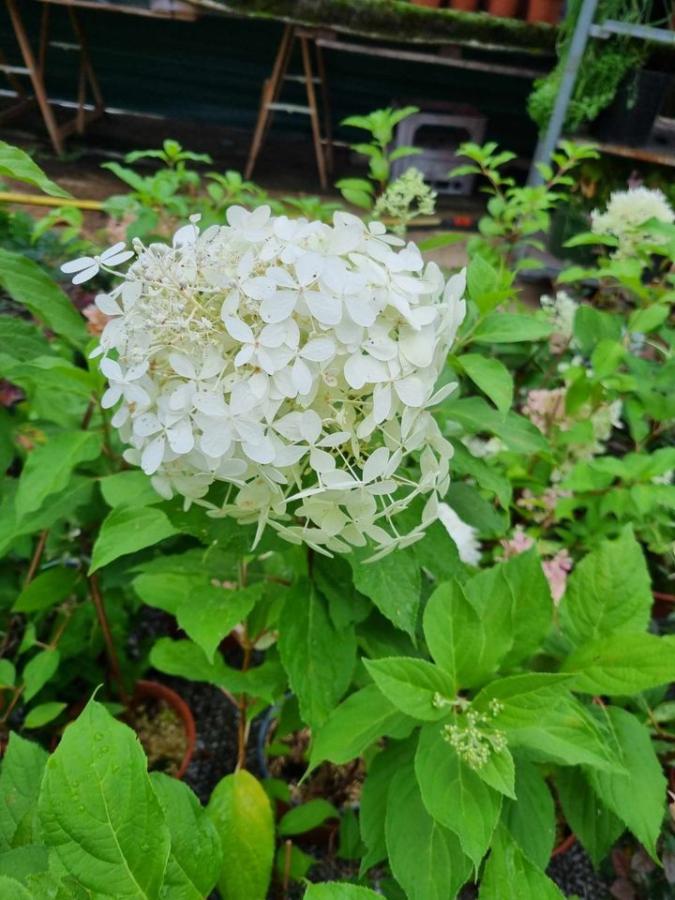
x,y
556,571
545,408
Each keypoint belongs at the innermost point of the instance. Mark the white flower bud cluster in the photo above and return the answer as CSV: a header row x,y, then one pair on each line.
x,y
293,361
476,739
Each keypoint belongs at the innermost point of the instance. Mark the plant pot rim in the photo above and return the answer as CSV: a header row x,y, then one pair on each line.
x,y
155,689
564,845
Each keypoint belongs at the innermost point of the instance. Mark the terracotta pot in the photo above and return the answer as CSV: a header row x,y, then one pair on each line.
x,y
507,9
564,845
156,691
663,606
465,5
544,11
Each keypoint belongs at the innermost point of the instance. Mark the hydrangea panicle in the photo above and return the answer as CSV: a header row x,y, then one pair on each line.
x,y
291,360
626,215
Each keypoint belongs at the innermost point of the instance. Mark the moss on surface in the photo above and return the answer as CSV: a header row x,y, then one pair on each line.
x,y
398,20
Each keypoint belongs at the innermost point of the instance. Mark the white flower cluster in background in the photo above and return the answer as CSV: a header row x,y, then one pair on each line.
x,y
626,214
292,360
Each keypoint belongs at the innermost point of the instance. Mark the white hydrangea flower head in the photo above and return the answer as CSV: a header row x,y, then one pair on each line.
x,y
293,361
626,214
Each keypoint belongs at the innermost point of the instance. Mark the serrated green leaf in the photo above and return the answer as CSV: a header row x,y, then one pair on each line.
x,y
531,818
608,592
98,810
318,658
373,809
622,664
352,726
638,796
48,468
412,685
426,858
22,768
454,634
595,826
506,328
392,583
508,865
491,376
131,487
454,795
196,856
211,613
126,530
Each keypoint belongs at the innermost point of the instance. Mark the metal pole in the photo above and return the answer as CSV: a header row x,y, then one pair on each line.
x,y
549,139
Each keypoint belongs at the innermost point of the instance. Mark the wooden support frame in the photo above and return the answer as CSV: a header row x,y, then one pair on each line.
x,y
35,68
271,92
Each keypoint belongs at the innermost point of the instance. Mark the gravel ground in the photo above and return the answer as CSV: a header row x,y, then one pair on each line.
x,y
574,874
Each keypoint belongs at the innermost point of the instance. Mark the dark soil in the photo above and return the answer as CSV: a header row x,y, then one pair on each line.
x,y
161,732
574,874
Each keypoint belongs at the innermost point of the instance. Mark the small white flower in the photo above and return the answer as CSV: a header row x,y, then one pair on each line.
x,y
626,214
87,267
465,536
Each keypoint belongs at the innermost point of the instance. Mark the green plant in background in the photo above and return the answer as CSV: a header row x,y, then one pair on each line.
x,y
518,215
379,125
604,66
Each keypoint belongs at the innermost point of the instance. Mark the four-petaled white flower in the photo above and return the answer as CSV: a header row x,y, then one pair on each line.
x,y
87,267
294,361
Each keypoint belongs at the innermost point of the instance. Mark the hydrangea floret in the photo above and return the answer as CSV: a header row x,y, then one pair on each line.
x,y
293,361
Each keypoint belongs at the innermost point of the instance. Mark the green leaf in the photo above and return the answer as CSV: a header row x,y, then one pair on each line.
x,y
392,583
98,810
372,812
10,887
508,865
412,685
212,612
532,605
486,286
42,714
595,826
566,734
306,816
16,164
126,530
489,592
47,589
196,857
241,812
55,508
523,697
426,858
30,286
592,326
531,818
318,658
491,376
186,660
643,321
506,328
38,671
48,468
7,673
477,416
622,664
637,797
337,890
129,488
352,726
454,794
454,634
21,341
20,778
608,592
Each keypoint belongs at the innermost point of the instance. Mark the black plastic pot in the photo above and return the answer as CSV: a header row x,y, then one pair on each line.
x,y
629,118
